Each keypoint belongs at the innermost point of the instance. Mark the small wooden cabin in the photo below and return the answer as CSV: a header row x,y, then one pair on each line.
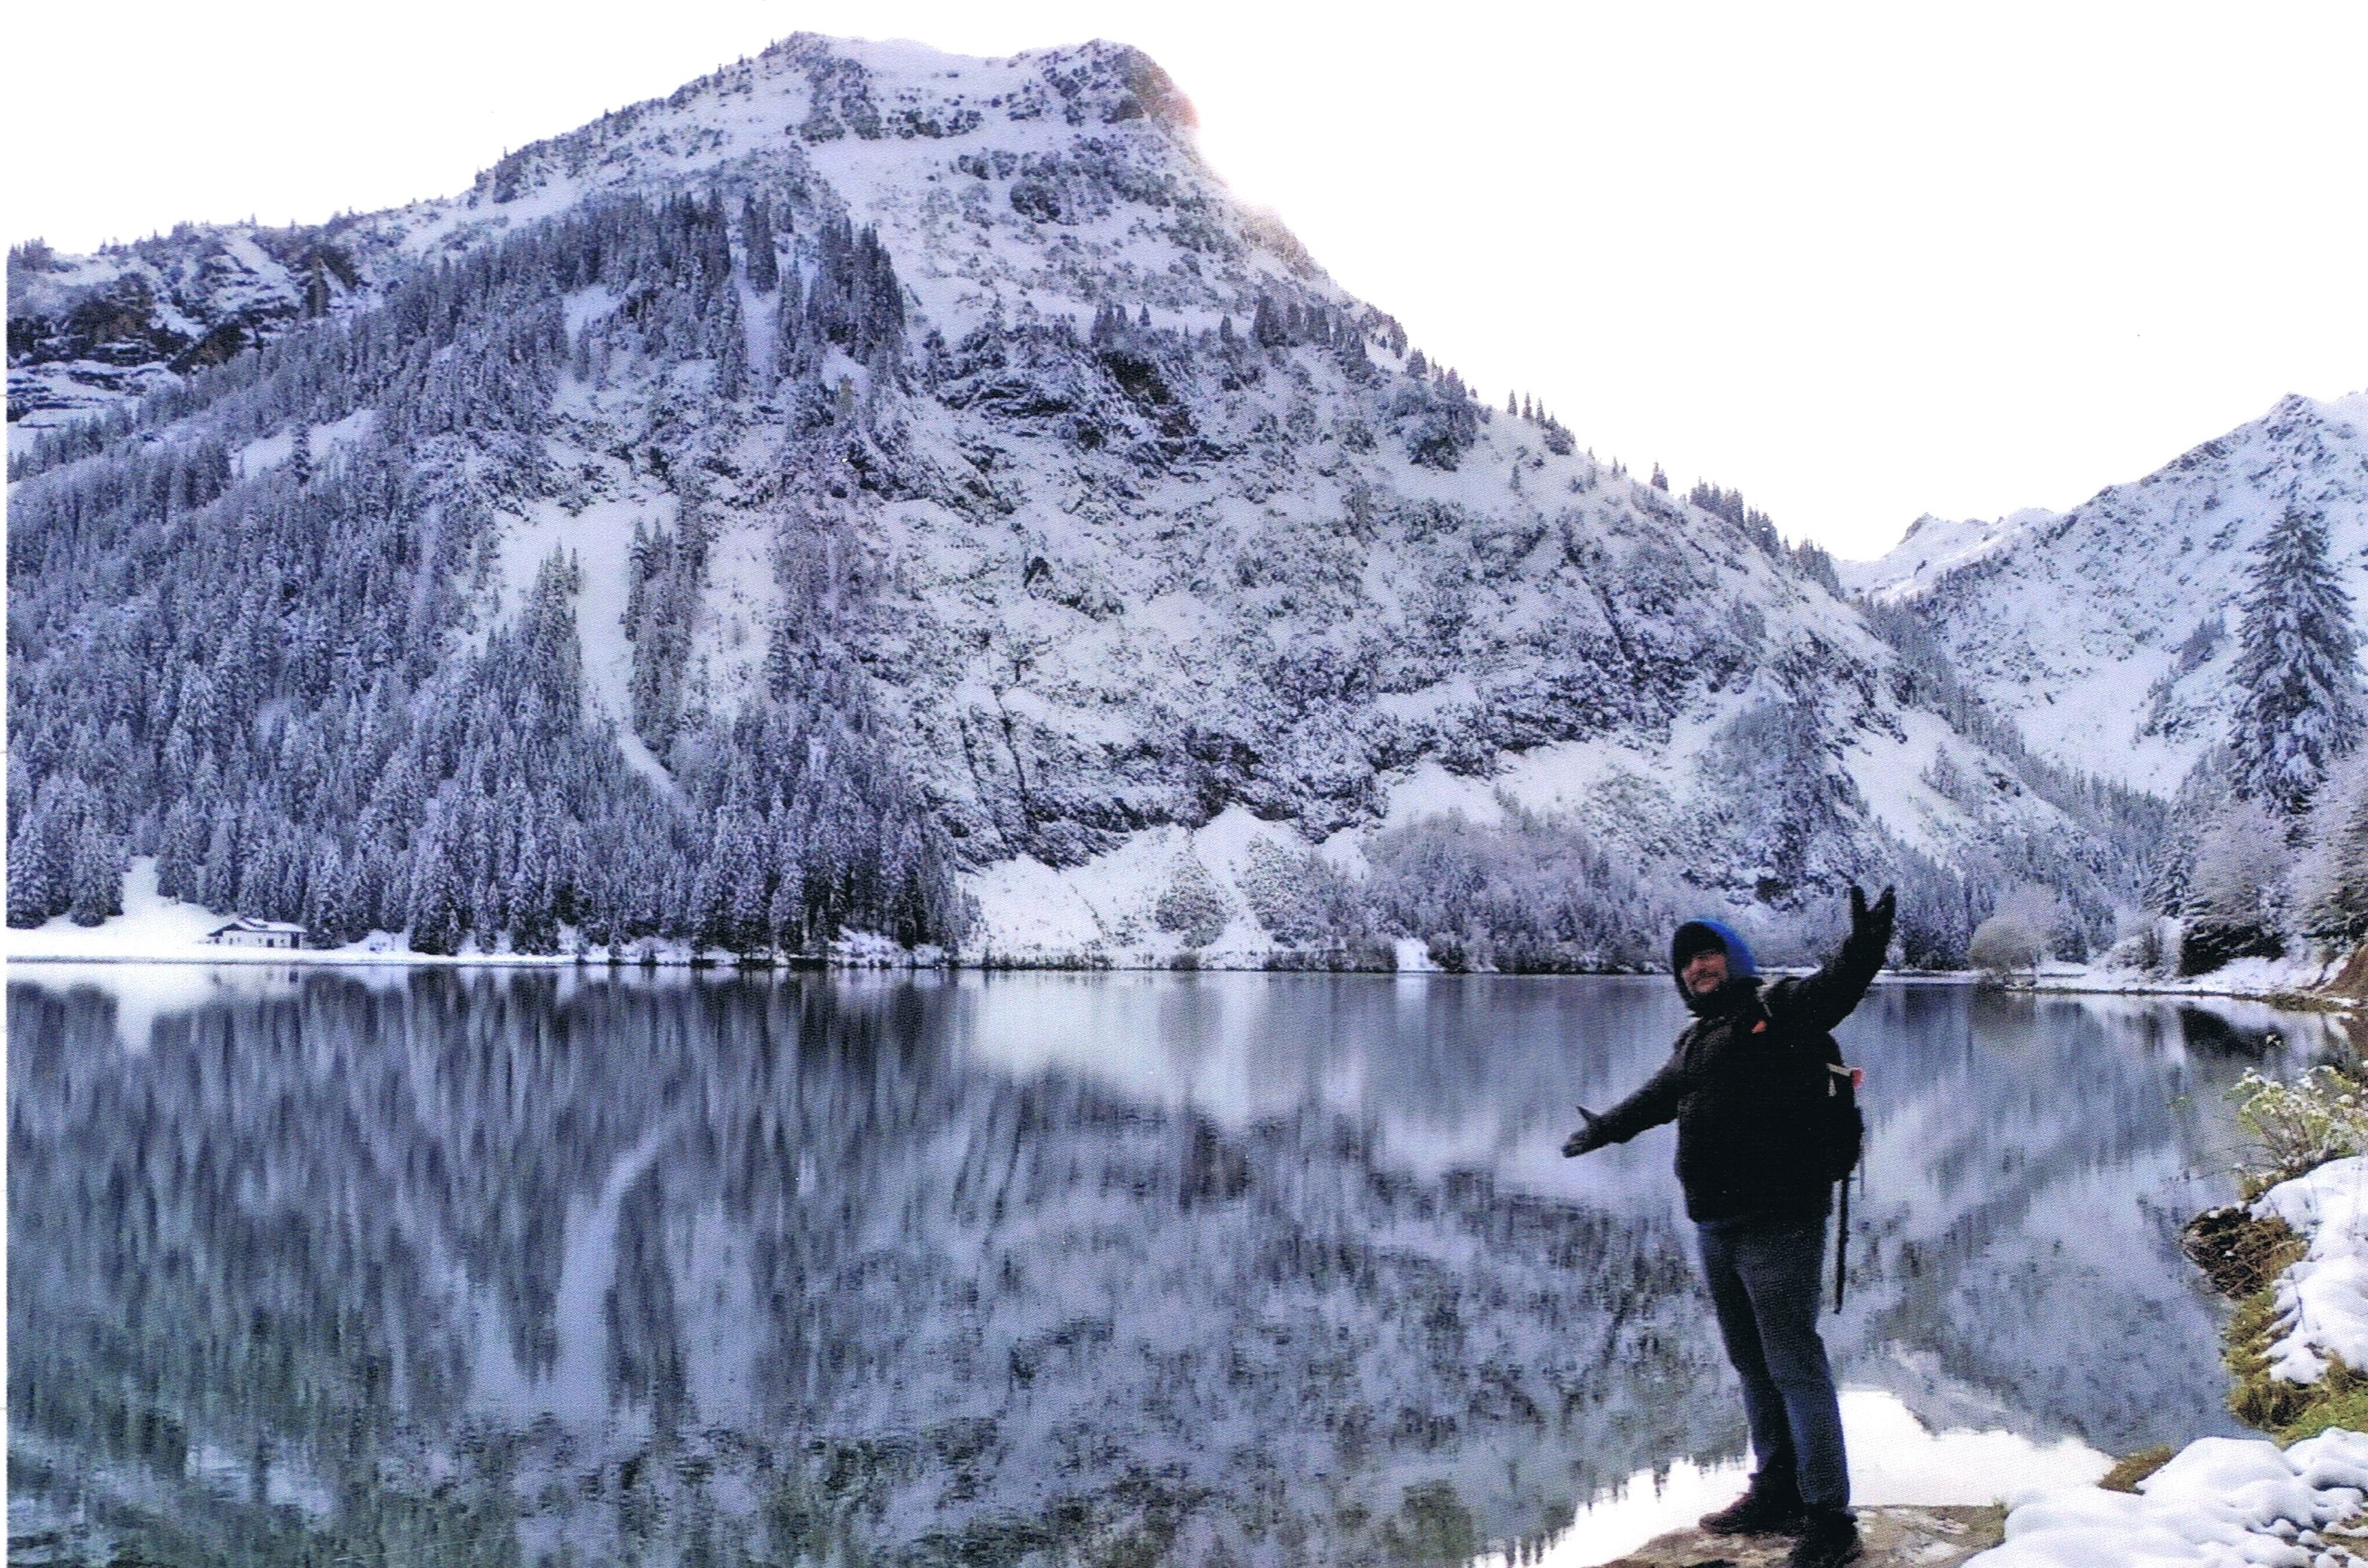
x,y
247,931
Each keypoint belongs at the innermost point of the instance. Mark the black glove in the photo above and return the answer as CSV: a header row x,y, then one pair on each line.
x,y
1873,925
1588,1138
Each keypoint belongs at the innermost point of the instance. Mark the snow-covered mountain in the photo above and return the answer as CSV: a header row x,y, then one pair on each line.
x,y
1932,548
2107,634
868,466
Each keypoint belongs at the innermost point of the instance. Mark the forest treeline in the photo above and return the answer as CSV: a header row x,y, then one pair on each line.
x,y
253,677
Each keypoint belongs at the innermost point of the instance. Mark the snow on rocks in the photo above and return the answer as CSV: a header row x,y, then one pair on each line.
x,y
2222,1501
2322,1301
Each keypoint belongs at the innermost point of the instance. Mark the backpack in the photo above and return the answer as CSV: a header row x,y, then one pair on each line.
x,y
1840,1139
1841,1126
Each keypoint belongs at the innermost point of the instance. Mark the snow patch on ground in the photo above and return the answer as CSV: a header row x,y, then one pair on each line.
x,y
150,925
2323,1300
2222,1501
736,611
1890,775
264,453
1427,789
2252,978
2352,409
1107,910
600,541
270,451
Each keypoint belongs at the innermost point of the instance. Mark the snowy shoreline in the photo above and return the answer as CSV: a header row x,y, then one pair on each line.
x,y
2226,1500
2284,982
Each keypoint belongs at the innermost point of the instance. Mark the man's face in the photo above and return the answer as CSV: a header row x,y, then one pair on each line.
x,y
1704,972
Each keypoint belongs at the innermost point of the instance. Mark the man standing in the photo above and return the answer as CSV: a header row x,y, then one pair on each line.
x,y
1750,1086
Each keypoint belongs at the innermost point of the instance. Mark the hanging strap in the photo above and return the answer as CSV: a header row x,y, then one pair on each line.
x,y
1856,1078
1841,1244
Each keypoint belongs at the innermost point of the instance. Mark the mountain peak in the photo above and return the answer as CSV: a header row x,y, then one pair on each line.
x,y
1064,171
1932,548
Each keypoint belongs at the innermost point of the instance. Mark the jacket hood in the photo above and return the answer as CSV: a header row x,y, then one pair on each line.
x,y
1697,936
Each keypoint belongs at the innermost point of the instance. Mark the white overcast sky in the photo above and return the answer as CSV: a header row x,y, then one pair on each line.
x,y
1860,261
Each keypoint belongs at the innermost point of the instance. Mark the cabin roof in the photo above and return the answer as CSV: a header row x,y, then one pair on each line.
x,y
250,923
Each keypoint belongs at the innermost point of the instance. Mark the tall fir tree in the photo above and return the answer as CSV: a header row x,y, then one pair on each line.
x,y
756,242
2299,705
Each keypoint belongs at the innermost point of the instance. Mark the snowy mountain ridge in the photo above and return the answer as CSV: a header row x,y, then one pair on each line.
x,y
92,331
1932,548
2107,633
992,451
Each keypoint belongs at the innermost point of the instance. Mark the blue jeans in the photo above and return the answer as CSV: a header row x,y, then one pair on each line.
x,y
1763,1275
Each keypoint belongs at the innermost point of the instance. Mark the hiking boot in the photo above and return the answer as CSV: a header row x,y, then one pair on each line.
x,y
1828,1539
1772,1510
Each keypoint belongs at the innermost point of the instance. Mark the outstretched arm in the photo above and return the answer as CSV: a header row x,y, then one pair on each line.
x,y
1649,1106
1824,999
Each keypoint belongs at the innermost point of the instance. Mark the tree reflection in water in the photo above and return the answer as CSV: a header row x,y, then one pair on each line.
x,y
465,1266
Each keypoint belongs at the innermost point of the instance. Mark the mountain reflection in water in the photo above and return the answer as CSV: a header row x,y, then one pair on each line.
x,y
465,1266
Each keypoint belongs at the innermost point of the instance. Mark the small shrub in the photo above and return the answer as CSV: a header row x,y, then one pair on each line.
x,y
1192,905
2001,945
2321,1116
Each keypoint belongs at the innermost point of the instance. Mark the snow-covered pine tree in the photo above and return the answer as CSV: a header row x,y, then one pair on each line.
x,y
2240,894
757,240
2331,882
2296,668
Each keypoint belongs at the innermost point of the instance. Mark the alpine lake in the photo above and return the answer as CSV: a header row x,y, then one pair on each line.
x,y
398,1265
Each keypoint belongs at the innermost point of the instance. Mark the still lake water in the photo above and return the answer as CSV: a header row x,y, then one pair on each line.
x,y
452,1267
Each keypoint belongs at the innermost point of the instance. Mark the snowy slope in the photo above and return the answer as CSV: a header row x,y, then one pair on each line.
x,y
1932,548
1162,558
2107,634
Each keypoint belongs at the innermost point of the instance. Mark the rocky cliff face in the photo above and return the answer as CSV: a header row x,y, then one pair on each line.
x,y
954,410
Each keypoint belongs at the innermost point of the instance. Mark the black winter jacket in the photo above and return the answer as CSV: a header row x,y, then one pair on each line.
x,y
1744,1085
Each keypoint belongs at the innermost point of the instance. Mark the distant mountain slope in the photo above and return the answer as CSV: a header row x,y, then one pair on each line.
x,y
1933,547
2106,634
869,481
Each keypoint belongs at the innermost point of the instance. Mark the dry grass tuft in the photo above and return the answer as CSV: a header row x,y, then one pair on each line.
x,y
2126,1473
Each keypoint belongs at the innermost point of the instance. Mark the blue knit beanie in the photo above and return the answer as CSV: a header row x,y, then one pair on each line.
x,y
1708,936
